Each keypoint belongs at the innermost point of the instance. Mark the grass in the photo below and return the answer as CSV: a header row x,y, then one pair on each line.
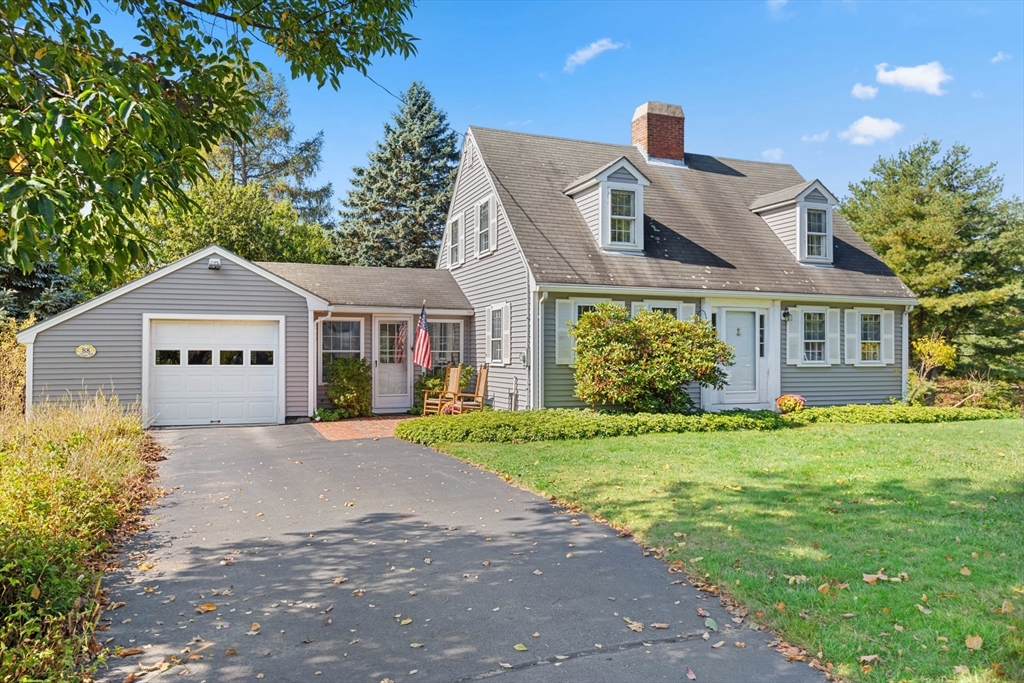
x,y
69,479
771,516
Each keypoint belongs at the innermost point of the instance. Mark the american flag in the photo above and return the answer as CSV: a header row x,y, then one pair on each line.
x,y
400,336
422,355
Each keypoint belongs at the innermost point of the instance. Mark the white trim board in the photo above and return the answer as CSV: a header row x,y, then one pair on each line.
x,y
342,309
147,349
312,300
29,363
605,290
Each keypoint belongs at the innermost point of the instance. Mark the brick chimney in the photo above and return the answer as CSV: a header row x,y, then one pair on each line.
x,y
658,129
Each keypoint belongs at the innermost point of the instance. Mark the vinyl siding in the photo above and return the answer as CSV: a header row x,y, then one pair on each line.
x,y
559,384
621,175
494,278
115,329
783,224
815,195
842,384
589,203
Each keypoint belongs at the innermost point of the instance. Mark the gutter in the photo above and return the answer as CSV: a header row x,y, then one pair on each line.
x,y
723,293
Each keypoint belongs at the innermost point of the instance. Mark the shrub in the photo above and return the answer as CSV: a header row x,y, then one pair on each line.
x,y
642,364
790,403
931,353
326,415
434,381
892,414
557,424
976,391
350,387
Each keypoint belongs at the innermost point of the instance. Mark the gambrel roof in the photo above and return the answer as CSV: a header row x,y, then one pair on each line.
x,y
700,232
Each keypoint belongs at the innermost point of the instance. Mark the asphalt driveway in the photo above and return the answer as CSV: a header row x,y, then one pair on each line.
x,y
281,556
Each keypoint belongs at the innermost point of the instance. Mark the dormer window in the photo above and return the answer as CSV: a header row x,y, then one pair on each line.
x,y
611,202
801,217
623,217
817,231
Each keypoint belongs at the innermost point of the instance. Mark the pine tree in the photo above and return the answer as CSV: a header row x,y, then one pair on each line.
x,y
395,213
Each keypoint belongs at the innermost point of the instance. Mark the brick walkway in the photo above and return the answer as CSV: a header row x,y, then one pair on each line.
x,y
360,427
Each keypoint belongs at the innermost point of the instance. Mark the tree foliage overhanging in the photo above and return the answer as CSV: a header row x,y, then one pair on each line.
x,y
396,210
945,229
93,133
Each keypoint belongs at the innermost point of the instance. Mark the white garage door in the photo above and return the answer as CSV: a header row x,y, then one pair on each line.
x,y
214,372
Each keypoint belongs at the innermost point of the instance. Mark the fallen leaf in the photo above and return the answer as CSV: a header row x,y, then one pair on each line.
x,y
144,566
230,652
339,579
780,606
870,658
705,635
405,622
427,560
130,678
740,645
796,580
898,628
520,647
849,615
504,665
711,624
416,645
689,674
359,591
35,593
537,572
262,675
636,626
965,571
923,610
536,635
823,589
1007,608
206,607
961,669
659,626
702,613
128,652
718,645
255,626
561,656
973,642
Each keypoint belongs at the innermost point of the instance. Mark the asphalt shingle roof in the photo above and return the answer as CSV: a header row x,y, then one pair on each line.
x,y
784,195
699,232
366,286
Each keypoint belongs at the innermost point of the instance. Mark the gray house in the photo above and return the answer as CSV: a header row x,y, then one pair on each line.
x,y
539,231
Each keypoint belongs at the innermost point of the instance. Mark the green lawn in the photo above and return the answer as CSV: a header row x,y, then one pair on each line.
x,y
825,504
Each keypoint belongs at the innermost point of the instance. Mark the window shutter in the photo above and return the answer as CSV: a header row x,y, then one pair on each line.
x,y
620,303
832,336
793,337
563,342
494,223
852,337
687,311
506,333
888,337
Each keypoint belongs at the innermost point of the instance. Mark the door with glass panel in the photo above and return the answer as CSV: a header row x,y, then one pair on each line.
x,y
392,364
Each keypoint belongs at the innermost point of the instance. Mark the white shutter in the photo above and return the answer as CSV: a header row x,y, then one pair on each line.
x,y
888,337
687,311
506,333
852,337
620,303
832,336
793,341
563,342
493,213
637,307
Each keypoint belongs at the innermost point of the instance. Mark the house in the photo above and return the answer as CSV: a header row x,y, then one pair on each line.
x,y
539,231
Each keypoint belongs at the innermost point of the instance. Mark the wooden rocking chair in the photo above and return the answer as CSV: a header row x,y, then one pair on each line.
x,y
475,401
434,400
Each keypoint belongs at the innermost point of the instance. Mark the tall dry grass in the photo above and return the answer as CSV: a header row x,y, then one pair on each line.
x,y
12,365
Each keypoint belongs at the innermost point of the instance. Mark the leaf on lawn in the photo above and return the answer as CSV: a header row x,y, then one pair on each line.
x,y
965,571
824,588
206,607
734,488
780,606
711,624
922,609
339,579
872,579
961,669
867,659
1007,608
231,652
416,645
796,580
849,615
689,674
520,647
897,627
718,645
659,626
973,642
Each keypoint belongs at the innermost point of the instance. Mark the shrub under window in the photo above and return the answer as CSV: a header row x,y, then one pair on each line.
x,y
350,387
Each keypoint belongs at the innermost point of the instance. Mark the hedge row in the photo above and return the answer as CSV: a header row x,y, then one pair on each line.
x,y
558,424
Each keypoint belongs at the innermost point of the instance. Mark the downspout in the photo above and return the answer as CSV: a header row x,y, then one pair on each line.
x,y
538,373
905,350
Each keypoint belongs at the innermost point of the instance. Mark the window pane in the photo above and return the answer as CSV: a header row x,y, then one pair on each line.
x,y
496,353
815,245
484,226
261,358
584,308
343,335
444,343
622,230
816,221
200,357
168,357
814,337
871,327
231,357
623,203
453,255
671,311
870,351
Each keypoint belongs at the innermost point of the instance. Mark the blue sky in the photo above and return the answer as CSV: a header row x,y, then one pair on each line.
x,y
757,80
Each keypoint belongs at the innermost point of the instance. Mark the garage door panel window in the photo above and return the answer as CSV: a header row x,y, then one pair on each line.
x,y
232,357
200,357
261,358
340,339
168,357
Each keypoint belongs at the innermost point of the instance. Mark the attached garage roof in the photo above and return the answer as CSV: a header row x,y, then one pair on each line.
x,y
376,287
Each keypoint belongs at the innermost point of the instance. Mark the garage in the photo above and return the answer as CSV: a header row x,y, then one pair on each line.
x,y
221,371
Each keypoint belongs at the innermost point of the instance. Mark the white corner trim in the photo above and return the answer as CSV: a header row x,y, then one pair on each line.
x,y
147,350
312,300
905,348
312,364
29,378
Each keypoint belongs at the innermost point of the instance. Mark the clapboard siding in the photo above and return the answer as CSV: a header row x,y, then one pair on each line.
x,y
559,383
842,384
621,175
589,203
493,278
815,195
783,223
115,329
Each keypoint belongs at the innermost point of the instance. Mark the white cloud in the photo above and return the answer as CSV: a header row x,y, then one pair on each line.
x,y
585,54
977,94
867,130
926,77
1000,57
815,137
864,92
773,154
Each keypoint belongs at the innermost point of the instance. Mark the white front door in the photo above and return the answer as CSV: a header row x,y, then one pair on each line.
x,y
205,372
740,331
392,364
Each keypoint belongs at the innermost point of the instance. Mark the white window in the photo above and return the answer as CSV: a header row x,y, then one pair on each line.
x,y
815,232
454,237
445,342
870,336
676,309
339,339
623,216
486,230
622,210
499,334
812,336
569,311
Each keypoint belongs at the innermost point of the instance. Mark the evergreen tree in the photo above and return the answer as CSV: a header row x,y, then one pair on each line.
x,y
272,158
395,213
944,227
